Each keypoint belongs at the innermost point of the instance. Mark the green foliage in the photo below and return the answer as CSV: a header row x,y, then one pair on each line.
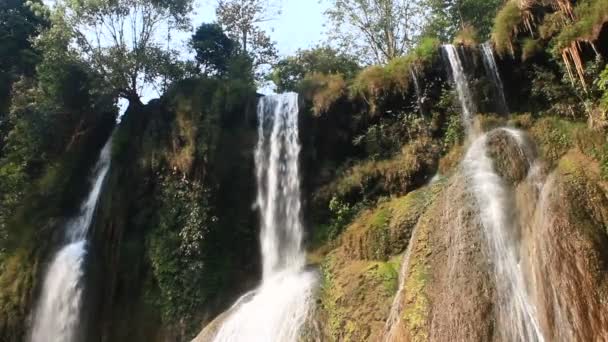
x,y
529,48
602,84
241,20
213,48
556,92
130,56
505,26
447,18
324,90
467,36
454,132
18,26
342,215
376,82
426,51
374,31
589,16
289,72
176,250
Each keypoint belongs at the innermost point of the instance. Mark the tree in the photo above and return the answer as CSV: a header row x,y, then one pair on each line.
x,y
18,26
375,30
241,20
121,39
213,48
288,72
447,17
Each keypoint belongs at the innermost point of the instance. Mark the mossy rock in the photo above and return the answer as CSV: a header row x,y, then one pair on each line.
x,y
384,231
512,158
355,298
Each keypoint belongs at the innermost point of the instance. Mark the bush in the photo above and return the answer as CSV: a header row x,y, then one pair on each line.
x,y
323,90
603,86
468,36
530,48
289,72
505,27
590,16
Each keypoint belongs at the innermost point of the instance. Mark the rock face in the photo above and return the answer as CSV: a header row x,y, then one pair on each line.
x,y
447,289
568,255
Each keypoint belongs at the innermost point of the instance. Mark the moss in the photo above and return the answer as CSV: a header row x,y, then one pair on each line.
x,y
522,121
530,48
17,278
450,161
370,179
505,26
415,313
349,312
555,137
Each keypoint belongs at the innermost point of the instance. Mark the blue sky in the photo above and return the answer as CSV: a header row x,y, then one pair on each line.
x,y
300,24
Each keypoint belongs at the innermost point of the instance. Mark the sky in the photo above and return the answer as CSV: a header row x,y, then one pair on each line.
x,y
299,26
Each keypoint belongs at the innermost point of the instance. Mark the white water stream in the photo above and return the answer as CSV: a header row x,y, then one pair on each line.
x,y
489,62
465,96
57,315
277,310
517,315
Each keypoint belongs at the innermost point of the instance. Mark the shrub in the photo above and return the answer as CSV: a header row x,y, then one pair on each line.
x,y
371,83
530,48
590,16
324,90
505,27
467,36
603,86
426,51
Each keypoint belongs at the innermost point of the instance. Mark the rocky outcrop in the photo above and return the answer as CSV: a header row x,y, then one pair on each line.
x,y
568,256
447,287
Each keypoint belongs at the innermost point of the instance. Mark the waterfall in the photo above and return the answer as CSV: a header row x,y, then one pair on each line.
x,y
417,88
489,63
57,316
465,96
277,310
517,316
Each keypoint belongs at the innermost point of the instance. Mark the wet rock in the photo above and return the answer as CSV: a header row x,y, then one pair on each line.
x,y
512,155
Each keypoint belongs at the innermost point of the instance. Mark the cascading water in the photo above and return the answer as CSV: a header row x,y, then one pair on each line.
x,y
279,307
57,316
417,89
462,85
517,314
489,63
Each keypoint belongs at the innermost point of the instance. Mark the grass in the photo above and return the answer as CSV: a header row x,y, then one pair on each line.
x,y
323,90
467,36
370,179
377,81
505,27
590,16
